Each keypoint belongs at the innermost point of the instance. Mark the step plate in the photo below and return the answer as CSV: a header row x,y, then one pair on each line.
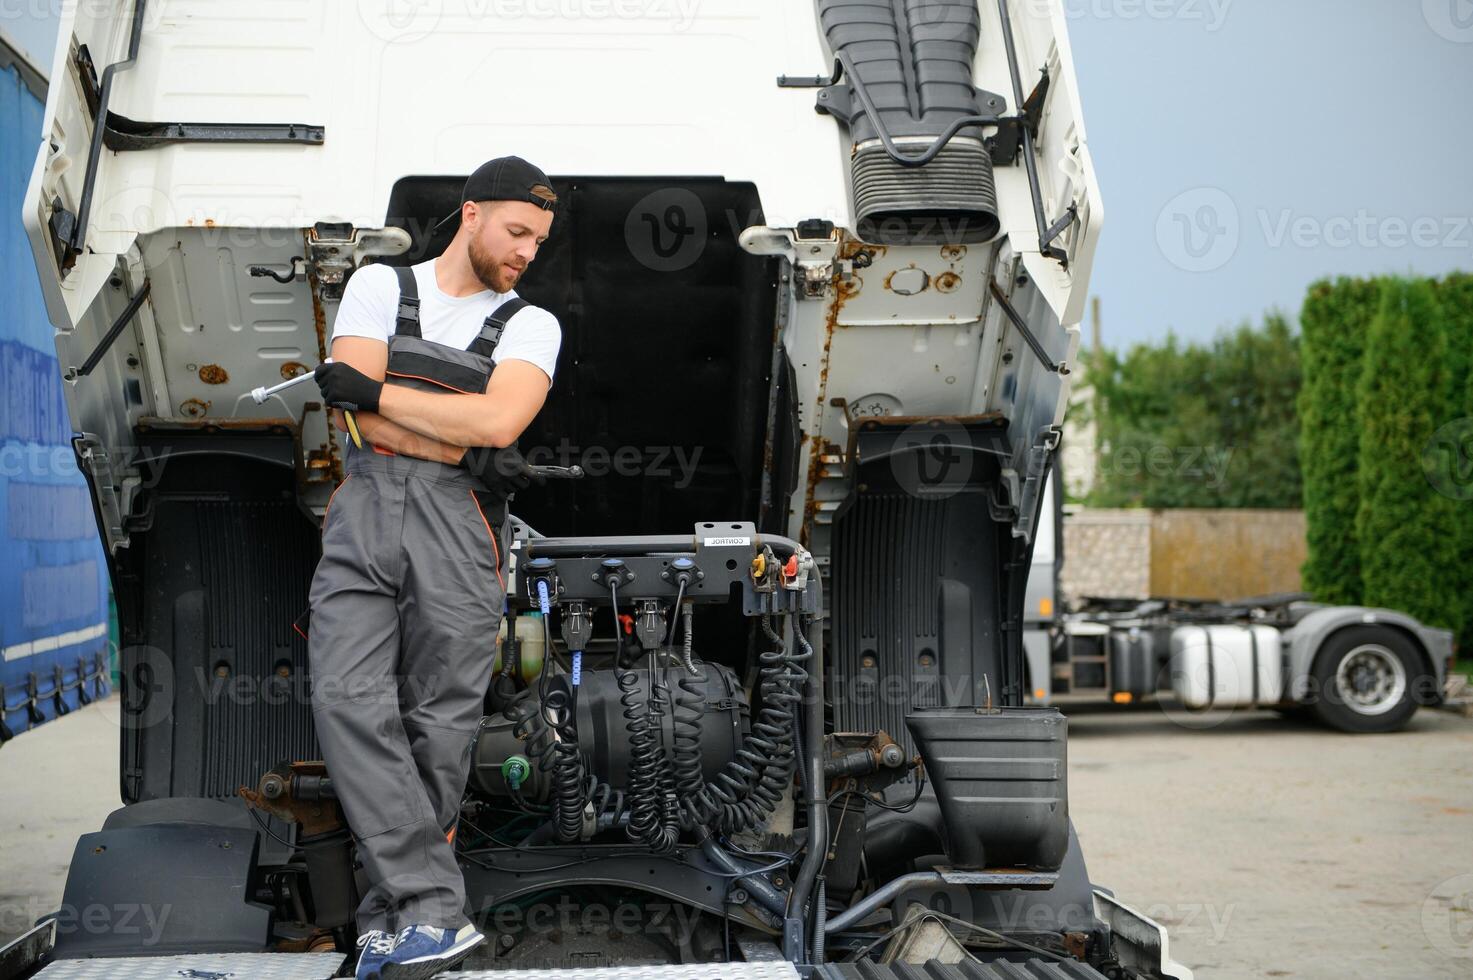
x,y
1030,969
321,966
771,970
198,966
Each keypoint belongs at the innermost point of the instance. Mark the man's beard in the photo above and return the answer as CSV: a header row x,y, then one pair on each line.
x,y
493,275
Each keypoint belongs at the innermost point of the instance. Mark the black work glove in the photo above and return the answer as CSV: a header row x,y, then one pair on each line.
x,y
503,470
343,386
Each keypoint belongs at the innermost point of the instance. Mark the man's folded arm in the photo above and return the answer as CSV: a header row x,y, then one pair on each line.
x,y
513,397
372,358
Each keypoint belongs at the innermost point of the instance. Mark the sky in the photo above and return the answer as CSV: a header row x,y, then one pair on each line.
x,y
31,26
1246,148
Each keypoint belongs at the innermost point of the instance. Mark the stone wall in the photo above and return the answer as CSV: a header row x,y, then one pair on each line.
x,y
1107,553
1186,554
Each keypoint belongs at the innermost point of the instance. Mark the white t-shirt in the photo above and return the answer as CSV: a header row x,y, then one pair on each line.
x,y
370,306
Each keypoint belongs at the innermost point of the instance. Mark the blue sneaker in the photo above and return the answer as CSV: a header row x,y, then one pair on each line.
x,y
374,947
420,952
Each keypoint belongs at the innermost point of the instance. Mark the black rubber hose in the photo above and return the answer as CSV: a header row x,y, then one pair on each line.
x,y
818,812
568,785
750,786
654,811
892,838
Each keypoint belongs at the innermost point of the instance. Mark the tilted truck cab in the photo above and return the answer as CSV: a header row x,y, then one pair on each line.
x,y
819,269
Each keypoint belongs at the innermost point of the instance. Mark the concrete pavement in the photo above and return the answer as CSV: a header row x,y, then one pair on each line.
x,y
1270,847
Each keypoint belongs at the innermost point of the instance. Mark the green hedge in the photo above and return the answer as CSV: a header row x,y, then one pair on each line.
x,y
1455,301
1388,363
1333,337
1407,529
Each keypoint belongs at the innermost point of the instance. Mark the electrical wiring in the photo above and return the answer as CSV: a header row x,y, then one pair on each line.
x,y
732,845
892,807
1005,941
484,833
265,828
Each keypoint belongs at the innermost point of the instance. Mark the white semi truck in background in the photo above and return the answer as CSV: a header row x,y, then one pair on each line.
x,y
797,241
1354,668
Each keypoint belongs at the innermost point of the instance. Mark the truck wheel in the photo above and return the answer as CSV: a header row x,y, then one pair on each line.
x,y
1363,679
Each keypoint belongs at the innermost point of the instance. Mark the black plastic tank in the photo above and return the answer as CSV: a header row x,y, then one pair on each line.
x,y
1001,780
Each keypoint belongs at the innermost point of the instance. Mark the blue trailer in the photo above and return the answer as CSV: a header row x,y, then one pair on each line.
x,y
54,633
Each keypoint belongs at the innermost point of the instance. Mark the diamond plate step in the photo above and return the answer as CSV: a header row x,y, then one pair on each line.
x,y
321,966
198,966
771,970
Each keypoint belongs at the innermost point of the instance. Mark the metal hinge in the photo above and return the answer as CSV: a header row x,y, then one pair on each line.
x,y
334,250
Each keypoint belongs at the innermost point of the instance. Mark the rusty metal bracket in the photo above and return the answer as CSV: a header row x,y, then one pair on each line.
x,y
298,792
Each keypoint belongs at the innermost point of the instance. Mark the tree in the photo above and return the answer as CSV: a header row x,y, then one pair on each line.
x,y
1455,305
1333,325
1200,425
1406,528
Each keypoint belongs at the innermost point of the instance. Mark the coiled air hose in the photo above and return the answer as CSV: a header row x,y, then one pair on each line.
x,y
747,790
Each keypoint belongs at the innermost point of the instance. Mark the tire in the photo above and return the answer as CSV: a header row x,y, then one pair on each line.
x,y
1364,678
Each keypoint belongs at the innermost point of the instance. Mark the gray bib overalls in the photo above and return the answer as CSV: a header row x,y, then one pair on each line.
x,y
405,605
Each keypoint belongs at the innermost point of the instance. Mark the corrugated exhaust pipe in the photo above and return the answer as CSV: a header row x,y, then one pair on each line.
x,y
920,172
950,200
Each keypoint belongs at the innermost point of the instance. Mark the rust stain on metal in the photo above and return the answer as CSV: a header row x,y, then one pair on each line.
x,y
319,323
292,369
213,374
948,281
816,447
850,247
194,408
953,253
280,426
292,793
905,421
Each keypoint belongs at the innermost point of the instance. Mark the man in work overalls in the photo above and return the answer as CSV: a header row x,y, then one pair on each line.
x,y
408,596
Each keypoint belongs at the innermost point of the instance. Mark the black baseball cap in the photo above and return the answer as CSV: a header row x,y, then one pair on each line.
x,y
504,179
